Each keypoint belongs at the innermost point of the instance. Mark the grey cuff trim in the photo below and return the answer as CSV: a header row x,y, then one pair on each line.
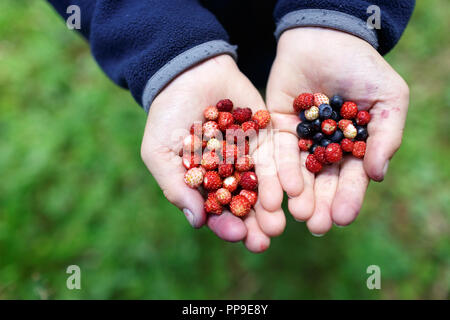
x,y
182,62
329,19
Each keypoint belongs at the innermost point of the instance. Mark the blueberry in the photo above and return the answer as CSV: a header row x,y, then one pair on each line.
x,y
361,133
336,102
301,115
304,130
317,125
325,142
335,116
314,146
337,136
325,111
318,137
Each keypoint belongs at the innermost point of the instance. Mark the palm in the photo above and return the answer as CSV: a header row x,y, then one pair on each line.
x,y
170,117
352,68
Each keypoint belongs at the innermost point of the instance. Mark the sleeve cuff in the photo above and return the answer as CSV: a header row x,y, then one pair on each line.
x,y
328,19
181,63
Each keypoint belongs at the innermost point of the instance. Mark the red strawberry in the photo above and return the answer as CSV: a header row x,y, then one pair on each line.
x,y
240,206
249,180
230,183
191,144
305,144
347,145
193,177
242,115
251,196
224,105
250,125
223,196
211,113
344,123
312,164
229,153
225,119
319,153
329,126
244,163
320,98
210,129
196,128
212,205
210,160
333,153
243,148
349,110
191,160
211,181
362,118
262,118
303,102
225,170
359,149
237,175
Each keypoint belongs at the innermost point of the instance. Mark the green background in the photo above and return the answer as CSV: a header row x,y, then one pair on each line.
x,y
73,189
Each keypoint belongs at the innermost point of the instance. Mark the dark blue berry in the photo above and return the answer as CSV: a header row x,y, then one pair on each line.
x,y
301,115
318,137
336,102
313,147
361,133
304,130
335,116
337,136
325,142
317,125
325,111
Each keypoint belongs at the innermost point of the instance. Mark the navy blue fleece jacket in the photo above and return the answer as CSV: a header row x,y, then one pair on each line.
x,y
143,44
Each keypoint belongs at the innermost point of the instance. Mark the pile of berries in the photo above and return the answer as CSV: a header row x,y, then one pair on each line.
x,y
216,156
328,128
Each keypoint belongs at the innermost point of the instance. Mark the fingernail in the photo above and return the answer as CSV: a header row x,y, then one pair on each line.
x,y
298,220
318,235
385,168
189,216
338,225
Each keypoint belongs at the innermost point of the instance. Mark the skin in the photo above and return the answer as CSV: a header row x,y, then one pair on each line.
x,y
171,114
330,61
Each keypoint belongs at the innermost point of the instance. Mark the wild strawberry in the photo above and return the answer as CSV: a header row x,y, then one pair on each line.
x,y
312,113
249,180
229,152
305,144
344,123
250,125
212,205
347,145
243,148
225,170
251,196
240,206
359,149
214,144
191,160
230,183
303,102
191,144
210,160
349,110
237,175
196,128
244,163
320,98
224,120
242,115
212,181
223,196
193,177
319,153
362,118
350,131
224,105
262,118
312,164
333,153
211,113
329,126
210,129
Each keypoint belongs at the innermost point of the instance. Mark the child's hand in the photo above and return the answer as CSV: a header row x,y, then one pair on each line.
x,y
173,111
333,62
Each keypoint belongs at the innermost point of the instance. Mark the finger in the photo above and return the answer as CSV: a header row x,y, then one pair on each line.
x,y
385,134
325,185
272,223
227,226
352,186
302,206
256,240
168,171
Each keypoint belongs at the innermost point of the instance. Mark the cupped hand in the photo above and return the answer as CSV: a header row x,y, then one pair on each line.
x,y
172,113
332,62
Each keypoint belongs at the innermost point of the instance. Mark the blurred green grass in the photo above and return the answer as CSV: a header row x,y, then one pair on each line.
x,y
73,189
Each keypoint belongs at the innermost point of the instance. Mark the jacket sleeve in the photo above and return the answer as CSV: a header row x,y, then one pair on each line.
x,y
142,45
349,16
